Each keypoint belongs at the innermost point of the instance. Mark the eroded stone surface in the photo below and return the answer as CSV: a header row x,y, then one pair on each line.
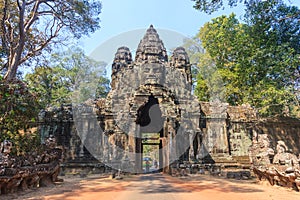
x,y
36,169
110,130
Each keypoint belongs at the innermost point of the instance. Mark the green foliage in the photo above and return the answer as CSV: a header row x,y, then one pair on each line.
x,y
151,150
71,77
28,29
209,6
49,85
18,113
194,49
256,63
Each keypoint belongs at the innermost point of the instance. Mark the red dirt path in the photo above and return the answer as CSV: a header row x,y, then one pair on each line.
x,y
156,187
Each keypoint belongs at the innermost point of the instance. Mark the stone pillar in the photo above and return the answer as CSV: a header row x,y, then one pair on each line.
x,y
215,140
172,139
138,150
165,155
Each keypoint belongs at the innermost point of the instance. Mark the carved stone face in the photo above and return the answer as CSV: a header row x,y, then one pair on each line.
x,y
123,55
153,74
280,149
51,142
180,58
7,147
122,58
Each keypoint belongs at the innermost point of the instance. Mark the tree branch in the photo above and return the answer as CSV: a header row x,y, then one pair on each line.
x,y
3,29
290,17
34,15
43,44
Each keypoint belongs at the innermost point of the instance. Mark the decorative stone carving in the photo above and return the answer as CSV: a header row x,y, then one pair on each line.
x,y
151,48
153,74
122,60
260,153
32,170
283,171
284,158
5,160
180,60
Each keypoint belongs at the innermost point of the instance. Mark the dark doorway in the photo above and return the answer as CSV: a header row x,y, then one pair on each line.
x,y
149,117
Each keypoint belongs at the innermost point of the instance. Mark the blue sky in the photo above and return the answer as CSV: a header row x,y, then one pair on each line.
x,y
121,16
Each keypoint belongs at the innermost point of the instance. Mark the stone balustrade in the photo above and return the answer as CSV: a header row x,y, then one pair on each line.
x,y
31,170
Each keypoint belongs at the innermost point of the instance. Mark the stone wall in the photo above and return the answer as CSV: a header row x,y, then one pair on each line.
x,y
284,129
110,129
240,138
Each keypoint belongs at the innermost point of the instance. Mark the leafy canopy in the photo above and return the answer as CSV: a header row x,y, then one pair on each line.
x,y
29,27
256,63
18,113
210,6
70,77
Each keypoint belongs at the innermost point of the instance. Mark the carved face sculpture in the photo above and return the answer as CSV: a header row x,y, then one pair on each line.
x,y
122,57
51,142
153,74
180,58
6,146
281,147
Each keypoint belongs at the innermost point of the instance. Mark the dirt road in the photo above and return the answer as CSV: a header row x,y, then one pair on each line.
x,y
157,187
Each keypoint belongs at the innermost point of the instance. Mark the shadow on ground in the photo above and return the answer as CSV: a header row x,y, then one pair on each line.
x,y
141,184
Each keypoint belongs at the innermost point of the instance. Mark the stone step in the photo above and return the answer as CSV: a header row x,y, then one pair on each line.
x,y
242,159
223,158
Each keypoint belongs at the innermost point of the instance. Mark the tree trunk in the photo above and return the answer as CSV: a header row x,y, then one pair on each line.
x,y
11,71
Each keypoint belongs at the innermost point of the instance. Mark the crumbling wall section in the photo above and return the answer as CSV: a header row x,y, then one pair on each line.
x,y
284,129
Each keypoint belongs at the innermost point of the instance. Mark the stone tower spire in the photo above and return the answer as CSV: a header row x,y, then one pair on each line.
x,y
122,60
151,49
180,60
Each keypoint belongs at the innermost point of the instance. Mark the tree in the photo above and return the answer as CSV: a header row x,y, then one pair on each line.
x,y
258,62
27,27
226,45
194,49
209,6
71,77
275,29
18,113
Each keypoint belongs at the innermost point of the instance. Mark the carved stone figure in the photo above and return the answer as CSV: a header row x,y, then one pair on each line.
x,y
260,153
5,160
6,147
153,74
31,170
284,170
121,61
284,158
180,58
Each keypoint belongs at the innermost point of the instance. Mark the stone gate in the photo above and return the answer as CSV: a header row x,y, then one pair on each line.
x,y
152,95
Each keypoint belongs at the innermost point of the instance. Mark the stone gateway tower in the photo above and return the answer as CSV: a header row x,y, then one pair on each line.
x,y
151,107
150,103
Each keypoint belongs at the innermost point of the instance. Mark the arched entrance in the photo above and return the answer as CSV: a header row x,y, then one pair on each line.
x,y
151,122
